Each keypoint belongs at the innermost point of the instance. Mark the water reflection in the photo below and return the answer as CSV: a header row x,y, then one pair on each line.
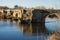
x,y
52,24
34,28
31,31
12,30
35,31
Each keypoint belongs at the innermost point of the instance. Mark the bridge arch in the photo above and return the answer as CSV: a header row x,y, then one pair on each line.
x,y
39,15
53,15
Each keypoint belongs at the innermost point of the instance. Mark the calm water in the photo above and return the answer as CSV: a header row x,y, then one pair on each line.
x,y
13,30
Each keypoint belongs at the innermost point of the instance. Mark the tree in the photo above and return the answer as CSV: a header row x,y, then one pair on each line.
x,y
16,6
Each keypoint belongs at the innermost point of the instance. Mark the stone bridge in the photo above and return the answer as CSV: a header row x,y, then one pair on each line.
x,y
40,16
53,15
37,15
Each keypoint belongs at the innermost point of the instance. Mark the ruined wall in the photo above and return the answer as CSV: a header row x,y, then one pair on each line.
x,y
27,15
17,13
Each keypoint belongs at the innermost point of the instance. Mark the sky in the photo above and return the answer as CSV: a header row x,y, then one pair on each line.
x,y
31,3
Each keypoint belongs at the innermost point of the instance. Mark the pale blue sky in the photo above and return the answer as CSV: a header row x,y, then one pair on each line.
x,y
31,3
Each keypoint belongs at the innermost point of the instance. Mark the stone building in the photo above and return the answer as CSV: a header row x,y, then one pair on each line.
x,y
1,10
27,15
6,12
11,12
1,13
17,13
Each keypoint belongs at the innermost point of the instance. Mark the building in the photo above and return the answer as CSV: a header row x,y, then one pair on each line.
x,y
27,15
1,13
11,12
17,13
2,8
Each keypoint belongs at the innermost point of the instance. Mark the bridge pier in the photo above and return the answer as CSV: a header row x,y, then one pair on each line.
x,y
39,17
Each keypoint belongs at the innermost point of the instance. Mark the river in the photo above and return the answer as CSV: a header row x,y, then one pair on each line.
x,y
14,30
